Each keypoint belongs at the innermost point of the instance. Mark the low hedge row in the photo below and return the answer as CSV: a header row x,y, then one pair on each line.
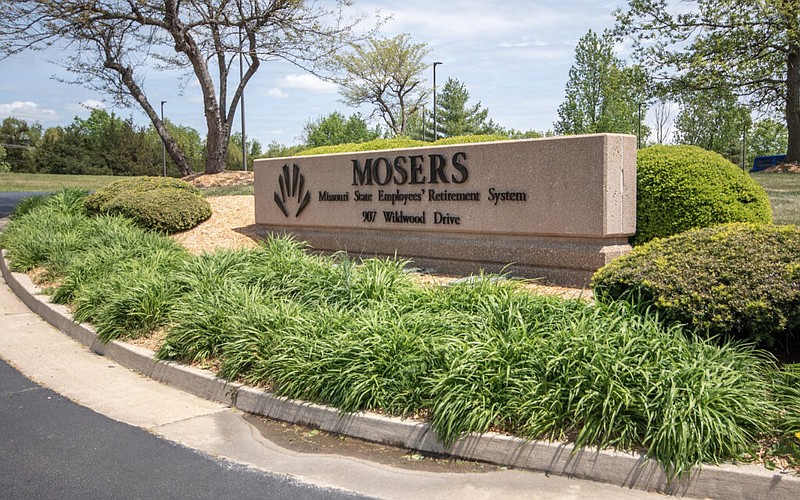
x,y
399,143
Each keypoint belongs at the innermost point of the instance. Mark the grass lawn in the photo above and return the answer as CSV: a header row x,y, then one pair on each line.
x,y
14,182
784,195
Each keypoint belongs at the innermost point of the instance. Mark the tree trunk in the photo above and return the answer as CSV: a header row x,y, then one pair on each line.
x,y
216,145
793,104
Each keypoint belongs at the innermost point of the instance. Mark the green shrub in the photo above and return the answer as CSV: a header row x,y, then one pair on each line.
x,y
169,210
683,187
97,201
159,203
399,143
735,279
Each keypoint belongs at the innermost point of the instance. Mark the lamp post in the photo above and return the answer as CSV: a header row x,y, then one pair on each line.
x,y
744,149
639,133
435,132
241,77
163,142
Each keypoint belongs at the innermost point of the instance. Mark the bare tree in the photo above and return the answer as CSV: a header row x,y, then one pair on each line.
x,y
663,116
116,41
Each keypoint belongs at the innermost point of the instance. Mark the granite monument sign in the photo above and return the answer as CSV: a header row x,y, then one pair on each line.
x,y
555,208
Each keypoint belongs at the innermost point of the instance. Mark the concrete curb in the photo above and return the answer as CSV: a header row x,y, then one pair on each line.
x,y
618,468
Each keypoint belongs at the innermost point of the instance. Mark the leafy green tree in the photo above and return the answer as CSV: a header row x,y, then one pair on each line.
x,y
602,95
114,40
766,138
335,129
278,150
4,166
455,118
116,145
234,156
105,144
190,142
20,139
419,125
714,121
65,150
753,48
235,152
385,73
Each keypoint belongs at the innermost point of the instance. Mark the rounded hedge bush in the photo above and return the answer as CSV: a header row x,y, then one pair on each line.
x,y
159,203
683,187
96,202
740,280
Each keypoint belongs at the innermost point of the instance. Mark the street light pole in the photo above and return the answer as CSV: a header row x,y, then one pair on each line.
x,y
435,132
241,77
163,142
639,133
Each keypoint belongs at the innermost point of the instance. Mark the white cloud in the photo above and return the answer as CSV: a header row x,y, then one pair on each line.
x,y
27,110
276,92
93,104
307,81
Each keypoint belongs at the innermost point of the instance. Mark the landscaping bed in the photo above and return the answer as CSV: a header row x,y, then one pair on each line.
x,y
470,357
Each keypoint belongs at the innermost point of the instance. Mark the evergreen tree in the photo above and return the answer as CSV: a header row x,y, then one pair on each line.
x,y
455,117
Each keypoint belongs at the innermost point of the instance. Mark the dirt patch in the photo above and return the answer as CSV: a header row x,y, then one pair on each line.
x,y
784,168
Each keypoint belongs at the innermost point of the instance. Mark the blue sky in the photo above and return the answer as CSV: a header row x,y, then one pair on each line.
x,y
513,56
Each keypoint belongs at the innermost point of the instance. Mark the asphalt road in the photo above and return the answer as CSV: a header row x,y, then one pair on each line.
x,y
8,201
53,448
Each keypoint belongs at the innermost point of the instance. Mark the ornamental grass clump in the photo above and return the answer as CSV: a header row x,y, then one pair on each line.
x,y
128,298
114,274
27,237
607,376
